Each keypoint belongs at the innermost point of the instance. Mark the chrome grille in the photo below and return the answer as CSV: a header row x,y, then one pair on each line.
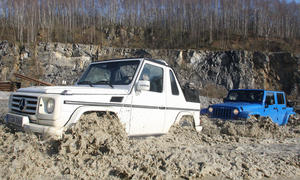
x,y
222,112
24,104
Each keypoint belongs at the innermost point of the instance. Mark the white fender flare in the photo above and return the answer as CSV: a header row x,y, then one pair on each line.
x,y
198,127
181,114
83,109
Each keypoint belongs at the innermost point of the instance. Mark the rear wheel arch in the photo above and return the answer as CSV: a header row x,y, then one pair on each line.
x,y
185,118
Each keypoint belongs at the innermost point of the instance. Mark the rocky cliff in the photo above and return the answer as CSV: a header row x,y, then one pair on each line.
x,y
212,72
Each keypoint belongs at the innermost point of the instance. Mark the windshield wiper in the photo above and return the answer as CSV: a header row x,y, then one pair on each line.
x,y
105,82
86,82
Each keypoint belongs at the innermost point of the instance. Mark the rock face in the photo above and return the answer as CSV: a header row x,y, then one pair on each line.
x,y
59,63
243,69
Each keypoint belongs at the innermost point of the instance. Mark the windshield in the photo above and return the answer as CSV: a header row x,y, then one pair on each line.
x,y
110,73
254,96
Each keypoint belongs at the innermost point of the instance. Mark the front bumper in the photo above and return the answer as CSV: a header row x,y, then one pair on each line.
x,y
22,123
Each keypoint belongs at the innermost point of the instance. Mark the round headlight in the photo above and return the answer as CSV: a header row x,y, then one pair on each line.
x,y
235,111
50,105
210,109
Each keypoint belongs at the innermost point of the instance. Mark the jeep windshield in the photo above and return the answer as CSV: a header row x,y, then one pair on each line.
x,y
110,73
252,96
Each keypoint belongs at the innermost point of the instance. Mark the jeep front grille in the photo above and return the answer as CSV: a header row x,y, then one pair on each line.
x,y
222,113
24,104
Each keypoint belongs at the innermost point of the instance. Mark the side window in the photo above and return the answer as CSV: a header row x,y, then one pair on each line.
x,y
153,74
173,84
280,98
270,100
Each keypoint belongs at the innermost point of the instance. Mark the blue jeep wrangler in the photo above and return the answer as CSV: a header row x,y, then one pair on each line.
x,y
241,104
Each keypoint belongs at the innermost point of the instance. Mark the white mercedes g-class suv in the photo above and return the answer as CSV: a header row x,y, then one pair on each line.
x,y
143,93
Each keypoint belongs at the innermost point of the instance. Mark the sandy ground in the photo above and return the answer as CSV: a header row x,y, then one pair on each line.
x,y
98,148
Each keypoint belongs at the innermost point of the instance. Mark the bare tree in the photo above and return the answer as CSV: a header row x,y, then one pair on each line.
x,y
163,23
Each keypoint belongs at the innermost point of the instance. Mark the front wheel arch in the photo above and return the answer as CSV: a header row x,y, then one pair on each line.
x,y
80,111
257,116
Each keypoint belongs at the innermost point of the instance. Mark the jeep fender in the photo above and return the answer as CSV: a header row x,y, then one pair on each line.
x,y
245,114
286,117
83,109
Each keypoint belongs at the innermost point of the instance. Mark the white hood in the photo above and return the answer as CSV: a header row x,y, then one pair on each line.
x,y
73,90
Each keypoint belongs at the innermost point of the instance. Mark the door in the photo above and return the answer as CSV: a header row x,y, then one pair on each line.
x,y
175,100
271,108
281,105
149,106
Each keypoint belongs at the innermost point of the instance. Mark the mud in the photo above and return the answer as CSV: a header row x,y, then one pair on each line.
x,y
98,148
3,108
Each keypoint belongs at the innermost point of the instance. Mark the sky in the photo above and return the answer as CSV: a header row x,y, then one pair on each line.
x,y
297,1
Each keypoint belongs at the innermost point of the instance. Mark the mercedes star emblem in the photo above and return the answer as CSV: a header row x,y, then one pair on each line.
x,y
22,104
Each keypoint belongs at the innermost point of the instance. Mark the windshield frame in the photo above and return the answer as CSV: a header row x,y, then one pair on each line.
x,y
245,91
136,62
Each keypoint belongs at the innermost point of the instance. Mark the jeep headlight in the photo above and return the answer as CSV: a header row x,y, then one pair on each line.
x,y
235,111
210,109
50,104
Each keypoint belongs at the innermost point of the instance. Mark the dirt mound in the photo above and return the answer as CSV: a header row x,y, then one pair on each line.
x,y
86,150
294,124
23,155
252,128
94,134
3,109
97,147
95,142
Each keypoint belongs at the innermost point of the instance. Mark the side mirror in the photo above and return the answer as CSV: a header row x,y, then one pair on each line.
x,y
143,85
266,105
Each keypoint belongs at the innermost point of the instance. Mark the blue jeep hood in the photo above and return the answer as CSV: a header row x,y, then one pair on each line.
x,y
244,105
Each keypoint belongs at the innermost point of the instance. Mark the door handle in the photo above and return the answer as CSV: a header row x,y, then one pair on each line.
x,y
276,108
